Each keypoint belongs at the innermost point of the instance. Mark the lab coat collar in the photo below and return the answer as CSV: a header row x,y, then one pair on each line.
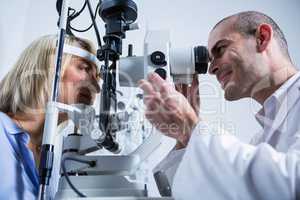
x,y
282,101
275,100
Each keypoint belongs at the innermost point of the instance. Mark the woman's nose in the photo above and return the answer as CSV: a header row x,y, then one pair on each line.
x,y
96,84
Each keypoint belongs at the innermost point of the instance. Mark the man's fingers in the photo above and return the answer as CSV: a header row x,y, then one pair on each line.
x,y
195,82
155,79
159,84
183,89
152,102
155,119
178,87
146,87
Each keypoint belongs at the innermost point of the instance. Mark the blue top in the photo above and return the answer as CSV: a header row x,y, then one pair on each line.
x,y
19,176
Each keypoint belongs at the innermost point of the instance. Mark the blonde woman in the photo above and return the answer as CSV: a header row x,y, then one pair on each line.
x,y
24,92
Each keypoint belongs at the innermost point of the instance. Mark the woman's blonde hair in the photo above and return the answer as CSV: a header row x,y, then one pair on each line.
x,y
27,86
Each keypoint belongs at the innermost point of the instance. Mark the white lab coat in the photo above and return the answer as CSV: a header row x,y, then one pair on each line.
x,y
215,166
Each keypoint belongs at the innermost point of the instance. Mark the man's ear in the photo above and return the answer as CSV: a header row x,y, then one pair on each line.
x,y
264,34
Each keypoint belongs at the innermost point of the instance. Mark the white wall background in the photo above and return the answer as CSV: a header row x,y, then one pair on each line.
x,y
189,21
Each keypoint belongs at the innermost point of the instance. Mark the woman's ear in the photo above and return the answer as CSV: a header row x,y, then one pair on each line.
x,y
264,34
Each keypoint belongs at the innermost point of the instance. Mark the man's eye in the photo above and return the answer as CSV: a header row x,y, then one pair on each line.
x,y
221,49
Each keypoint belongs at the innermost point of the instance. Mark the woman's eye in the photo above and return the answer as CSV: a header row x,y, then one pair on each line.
x,y
84,67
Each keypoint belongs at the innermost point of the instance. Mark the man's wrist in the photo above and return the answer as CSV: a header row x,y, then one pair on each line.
x,y
183,141
192,122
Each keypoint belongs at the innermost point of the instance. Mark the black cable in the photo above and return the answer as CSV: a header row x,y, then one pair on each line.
x,y
74,15
81,31
94,23
63,165
90,26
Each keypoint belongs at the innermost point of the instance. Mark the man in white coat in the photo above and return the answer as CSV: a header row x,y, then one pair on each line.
x,y
249,56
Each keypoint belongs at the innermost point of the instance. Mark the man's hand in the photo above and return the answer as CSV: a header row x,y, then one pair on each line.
x,y
168,110
191,93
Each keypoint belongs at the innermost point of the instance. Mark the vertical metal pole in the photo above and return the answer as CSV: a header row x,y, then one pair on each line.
x,y
51,117
60,45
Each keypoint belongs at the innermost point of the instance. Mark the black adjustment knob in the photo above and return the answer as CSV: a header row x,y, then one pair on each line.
x,y
121,105
130,50
161,72
158,58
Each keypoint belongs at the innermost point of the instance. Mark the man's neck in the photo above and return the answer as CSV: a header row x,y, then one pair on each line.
x,y
272,82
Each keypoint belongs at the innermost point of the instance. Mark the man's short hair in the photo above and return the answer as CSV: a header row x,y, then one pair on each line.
x,y
247,22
